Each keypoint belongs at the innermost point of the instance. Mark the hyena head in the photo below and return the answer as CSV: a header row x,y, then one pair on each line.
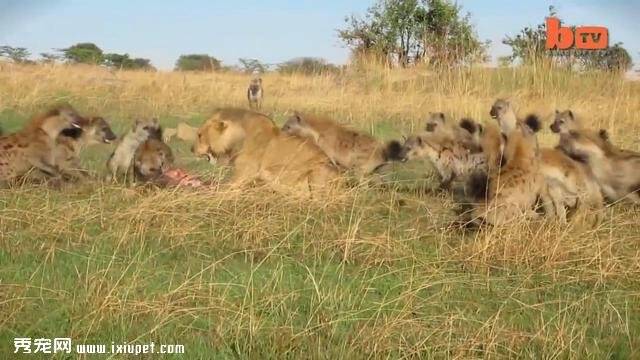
x,y
564,122
255,85
296,125
414,147
98,131
503,112
152,160
60,118
435,121
147,129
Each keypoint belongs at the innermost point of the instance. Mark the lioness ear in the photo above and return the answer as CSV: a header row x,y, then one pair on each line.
x,y
441,116
570,114
557,111
221,125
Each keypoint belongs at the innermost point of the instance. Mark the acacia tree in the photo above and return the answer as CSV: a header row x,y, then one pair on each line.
x,y
83,53
197,62
18,55
308,66
250,66
49,58
124,62
413,31
529,47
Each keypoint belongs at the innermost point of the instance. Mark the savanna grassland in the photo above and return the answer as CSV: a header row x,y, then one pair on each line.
x,y
368,274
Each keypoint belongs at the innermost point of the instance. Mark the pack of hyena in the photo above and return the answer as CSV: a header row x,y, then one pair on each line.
x,y
496,171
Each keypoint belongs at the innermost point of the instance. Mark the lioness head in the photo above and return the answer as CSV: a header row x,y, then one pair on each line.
x,y
296,125
218,139
564,122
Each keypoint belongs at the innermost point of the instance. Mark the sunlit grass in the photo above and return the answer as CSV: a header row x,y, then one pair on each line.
x,y
253,274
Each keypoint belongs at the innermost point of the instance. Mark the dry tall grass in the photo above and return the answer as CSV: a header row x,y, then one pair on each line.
x,y
370,274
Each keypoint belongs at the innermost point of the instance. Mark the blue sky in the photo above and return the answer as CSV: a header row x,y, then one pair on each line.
x,y
272,31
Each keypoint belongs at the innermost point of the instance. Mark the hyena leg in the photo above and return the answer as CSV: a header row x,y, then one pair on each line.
x,y
46,167
558,197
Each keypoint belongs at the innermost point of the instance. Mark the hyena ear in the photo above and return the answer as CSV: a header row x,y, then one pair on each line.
x,y
441,116
557,111
604,134
570,114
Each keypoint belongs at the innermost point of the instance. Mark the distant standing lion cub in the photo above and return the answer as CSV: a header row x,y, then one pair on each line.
x,y
257,150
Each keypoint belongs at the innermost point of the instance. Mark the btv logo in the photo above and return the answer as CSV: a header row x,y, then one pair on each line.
x,y
586,37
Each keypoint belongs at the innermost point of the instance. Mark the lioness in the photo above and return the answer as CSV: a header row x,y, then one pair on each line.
x,y
257,150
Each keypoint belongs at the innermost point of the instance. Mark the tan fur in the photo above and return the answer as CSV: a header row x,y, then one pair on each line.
x,y
151,159
568,185
446,130
68,148
257,150
33,147
504,113
347,148
513,185
183,131
616,171
121,160
451,159
565,121
255,93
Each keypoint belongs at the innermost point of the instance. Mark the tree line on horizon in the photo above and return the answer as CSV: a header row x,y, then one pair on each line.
x,y
91,54
397,33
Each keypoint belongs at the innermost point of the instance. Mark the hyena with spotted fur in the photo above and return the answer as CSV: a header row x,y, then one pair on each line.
x,y
33,147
